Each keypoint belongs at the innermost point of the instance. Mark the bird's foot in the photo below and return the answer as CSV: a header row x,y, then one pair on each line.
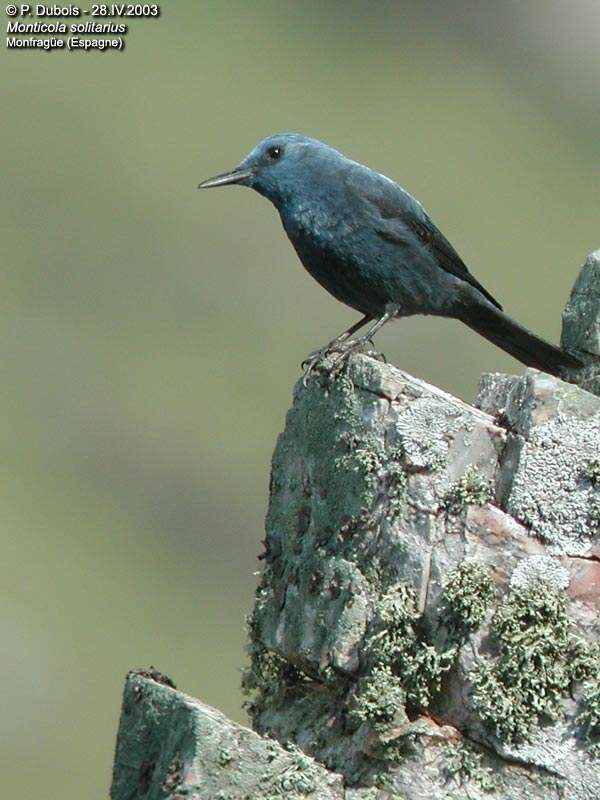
x,y
364,345
376,354
342,349
314,358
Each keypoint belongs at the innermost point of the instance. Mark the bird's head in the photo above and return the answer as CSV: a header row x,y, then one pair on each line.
x,y
278,166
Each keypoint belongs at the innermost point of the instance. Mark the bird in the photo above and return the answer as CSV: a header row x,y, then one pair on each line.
x,y
373,246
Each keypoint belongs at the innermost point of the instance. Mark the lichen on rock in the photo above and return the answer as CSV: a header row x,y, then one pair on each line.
x,y
467,597
471,489
425,625
397,642
539,662
384,597
524,686
464,765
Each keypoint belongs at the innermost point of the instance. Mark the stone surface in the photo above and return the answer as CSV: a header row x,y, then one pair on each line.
x,y
546,475
382,489
426,623
172,745
359,477
581,323
418,552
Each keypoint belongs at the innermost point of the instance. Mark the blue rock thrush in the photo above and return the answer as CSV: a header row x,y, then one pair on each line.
x,y
372,246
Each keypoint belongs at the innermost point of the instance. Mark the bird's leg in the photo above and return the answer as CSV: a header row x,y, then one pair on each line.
x,y
347,334
313,358
357,344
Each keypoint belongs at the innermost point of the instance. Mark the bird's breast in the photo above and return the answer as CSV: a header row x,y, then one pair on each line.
x,y
319,225
328,245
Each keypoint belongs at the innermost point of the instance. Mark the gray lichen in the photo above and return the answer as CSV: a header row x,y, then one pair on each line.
x,y
539,568
424,429
548,493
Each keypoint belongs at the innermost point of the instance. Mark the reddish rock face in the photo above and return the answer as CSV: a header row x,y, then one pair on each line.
x,y
584,586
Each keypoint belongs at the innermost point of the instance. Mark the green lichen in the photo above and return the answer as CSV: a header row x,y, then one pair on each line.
x,y
316,493
471,489
266,677
361,475
301,777
361,466
525,684
463,765
539,663
375,471
224,757
589,716
594,516
364,455
584,659
395,482
395,642
593,472
381,698
468,594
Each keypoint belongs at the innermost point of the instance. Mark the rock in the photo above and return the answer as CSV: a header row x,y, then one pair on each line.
x,y
547,472
426,621
409,537
581,323
172,745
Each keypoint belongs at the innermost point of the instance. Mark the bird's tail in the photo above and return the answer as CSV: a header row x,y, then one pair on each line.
x,y
497,327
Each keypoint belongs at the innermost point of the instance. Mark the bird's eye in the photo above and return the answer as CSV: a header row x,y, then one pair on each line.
x,y
274,152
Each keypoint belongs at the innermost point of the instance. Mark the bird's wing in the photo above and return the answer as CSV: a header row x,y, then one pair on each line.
x,y
396,215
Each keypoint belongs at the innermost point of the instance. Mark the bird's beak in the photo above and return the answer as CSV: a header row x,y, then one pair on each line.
x,y
235,176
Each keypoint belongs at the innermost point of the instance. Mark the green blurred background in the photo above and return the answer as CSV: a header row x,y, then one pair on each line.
x,y
151,334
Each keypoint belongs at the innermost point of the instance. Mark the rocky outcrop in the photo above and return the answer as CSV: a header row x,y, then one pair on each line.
x,y
426,620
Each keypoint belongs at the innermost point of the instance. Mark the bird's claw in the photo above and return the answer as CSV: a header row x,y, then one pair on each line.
x,y
314,358
342,350
309,363
377,355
